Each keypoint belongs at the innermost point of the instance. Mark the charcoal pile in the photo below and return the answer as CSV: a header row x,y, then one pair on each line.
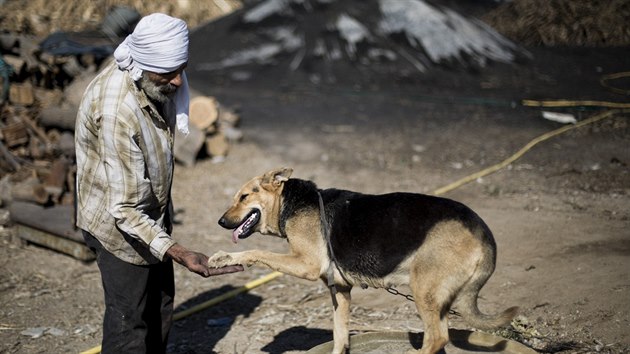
x,y
331,41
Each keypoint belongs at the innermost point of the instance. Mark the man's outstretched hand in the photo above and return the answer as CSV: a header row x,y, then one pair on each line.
x,y
198,262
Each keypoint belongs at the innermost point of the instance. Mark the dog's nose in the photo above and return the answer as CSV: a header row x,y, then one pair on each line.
x,y
222,222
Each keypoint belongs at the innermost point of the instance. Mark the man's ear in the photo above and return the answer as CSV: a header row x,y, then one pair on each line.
x,y
274,179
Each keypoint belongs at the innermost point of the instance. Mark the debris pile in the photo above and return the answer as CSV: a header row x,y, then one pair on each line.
x,y
563,22
338,41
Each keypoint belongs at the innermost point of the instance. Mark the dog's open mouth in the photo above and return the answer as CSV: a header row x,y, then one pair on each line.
x,y
246,228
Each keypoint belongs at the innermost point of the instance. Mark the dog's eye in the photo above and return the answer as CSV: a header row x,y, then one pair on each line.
x,y
243,197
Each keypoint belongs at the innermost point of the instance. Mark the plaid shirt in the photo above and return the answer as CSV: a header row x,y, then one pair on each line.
x,y
124,152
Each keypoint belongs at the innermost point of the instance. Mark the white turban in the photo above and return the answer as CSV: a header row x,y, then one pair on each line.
x,y
159,44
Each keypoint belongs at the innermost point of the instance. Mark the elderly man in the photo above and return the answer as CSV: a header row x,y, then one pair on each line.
x,y
124,146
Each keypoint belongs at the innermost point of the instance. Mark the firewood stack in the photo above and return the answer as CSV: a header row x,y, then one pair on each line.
x,y
36,161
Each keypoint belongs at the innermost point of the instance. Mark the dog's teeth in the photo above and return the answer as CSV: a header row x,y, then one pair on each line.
x,y
245,225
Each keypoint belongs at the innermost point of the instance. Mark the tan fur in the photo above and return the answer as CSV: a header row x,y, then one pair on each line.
x,y
447,263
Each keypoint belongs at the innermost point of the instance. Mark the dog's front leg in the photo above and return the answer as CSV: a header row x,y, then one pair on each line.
x,y
297,266
341,334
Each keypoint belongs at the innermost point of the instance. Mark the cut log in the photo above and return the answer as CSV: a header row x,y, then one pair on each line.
x,y
55,183
15,134
21,94
52,241
50,227
203,112
41,134
48,98
36,148
229,116
217,145
6,155
62,117
69,197
30,190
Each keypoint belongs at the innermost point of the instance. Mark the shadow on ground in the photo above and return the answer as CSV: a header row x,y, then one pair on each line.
x,y
201,331
297,338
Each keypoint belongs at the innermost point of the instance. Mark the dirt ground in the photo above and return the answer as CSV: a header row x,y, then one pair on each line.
x,y
560,214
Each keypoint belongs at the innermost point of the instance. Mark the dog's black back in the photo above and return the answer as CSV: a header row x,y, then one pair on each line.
x,y
368,232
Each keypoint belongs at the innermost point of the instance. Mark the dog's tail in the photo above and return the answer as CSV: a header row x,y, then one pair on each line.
x,y
479,320
467,302
467,306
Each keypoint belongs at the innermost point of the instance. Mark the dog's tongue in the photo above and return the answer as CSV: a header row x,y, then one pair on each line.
x,y
235,233
239,230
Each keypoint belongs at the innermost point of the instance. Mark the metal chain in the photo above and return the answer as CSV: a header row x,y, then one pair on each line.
x,y
396,292
410,298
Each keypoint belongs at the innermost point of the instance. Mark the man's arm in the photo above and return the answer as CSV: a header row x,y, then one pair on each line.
x,y
197,262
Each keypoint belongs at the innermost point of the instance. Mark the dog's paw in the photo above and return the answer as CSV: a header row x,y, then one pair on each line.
x,y
221,259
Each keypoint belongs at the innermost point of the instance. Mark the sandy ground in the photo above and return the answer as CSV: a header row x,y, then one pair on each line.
x,y
560,214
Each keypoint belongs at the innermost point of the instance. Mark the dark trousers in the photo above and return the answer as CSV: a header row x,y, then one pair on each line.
x,y
138,303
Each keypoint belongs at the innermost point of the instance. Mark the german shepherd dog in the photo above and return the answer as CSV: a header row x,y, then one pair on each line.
x,y
438,247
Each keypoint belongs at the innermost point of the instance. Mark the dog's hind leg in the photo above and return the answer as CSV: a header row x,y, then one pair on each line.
x,y
341,308
433,295
435,322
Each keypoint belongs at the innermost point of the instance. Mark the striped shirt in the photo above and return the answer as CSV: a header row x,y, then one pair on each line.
x,y
124,152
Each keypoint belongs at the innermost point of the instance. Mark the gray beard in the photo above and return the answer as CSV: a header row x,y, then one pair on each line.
x,y
161,94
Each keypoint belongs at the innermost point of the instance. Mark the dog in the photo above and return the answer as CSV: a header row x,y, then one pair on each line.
x,y
440,248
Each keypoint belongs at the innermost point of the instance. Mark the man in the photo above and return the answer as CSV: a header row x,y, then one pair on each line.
x,y
124,148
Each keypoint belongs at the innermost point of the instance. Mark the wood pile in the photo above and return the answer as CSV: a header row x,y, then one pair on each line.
x,y
36,160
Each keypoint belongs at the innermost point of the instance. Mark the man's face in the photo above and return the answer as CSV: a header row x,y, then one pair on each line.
x,y
161,87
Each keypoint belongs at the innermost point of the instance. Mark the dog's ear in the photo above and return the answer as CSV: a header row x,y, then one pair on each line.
x,y
274,179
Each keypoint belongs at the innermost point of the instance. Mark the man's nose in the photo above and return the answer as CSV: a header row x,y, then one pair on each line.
x,y
177,80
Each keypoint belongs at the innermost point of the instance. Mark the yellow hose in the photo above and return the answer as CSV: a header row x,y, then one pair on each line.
x,y
95,350
604,82
445,189
569,103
